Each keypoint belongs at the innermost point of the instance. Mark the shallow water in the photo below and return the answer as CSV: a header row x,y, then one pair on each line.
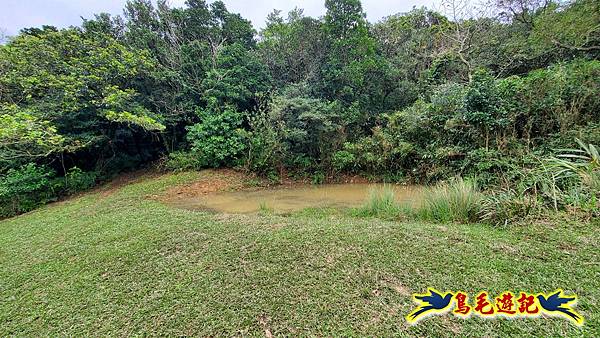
x,y
282,200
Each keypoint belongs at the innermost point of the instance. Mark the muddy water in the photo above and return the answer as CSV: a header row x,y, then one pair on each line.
x,y
284,200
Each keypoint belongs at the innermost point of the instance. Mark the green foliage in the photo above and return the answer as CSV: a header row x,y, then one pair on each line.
x,y
25,188
484,110
556,99
308,130
69,92
491,167
23,137
266,148
236,78
182,161
351,63
318,177
30,186
77,180
417,96
407,42
201,51
217,140
582,164
344,160
294,49
120,106
312,127
568,29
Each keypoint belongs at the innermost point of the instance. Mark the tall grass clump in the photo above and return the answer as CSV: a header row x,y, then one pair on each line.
x,y
508,206
264,208
582,167
583,164
456,201
380,203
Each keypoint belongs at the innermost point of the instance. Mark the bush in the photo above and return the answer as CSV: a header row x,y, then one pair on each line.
x,y
581,166
218,139
582,200
31,186
182,161
77,180
26,188
265,147
343,160
457,201
383,153
312,130
583,163
487,164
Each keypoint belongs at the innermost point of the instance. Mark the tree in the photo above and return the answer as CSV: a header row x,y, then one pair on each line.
x,y
523,11
410,42
25,138
3,36
313,129
188,46
292,49
75,87
572,29
352,71
236,78
484,108
461,31
104,24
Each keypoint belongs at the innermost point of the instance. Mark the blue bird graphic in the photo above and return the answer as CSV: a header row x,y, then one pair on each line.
x,y
432,302
559,304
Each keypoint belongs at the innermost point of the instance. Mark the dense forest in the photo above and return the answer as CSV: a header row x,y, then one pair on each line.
x,y
506,94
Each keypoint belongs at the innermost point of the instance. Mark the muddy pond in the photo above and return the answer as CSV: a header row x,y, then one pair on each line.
x,y
290,199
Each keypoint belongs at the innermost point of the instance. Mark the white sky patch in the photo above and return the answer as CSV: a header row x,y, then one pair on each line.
x,y
18,14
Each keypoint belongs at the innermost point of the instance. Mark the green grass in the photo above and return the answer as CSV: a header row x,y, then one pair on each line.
x,y
455,201
381,203
125,264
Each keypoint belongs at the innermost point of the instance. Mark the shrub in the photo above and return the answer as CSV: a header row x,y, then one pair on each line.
x,y
343,160
490,166
318,177
383,153
265,146
218,139
311,130
25,188
456,201
181,161
31,186
77,180
582,200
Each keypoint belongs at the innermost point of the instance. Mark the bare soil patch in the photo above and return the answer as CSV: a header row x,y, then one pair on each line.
x,y
211,181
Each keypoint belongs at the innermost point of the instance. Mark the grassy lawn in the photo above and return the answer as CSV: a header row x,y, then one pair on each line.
x,y
121,263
